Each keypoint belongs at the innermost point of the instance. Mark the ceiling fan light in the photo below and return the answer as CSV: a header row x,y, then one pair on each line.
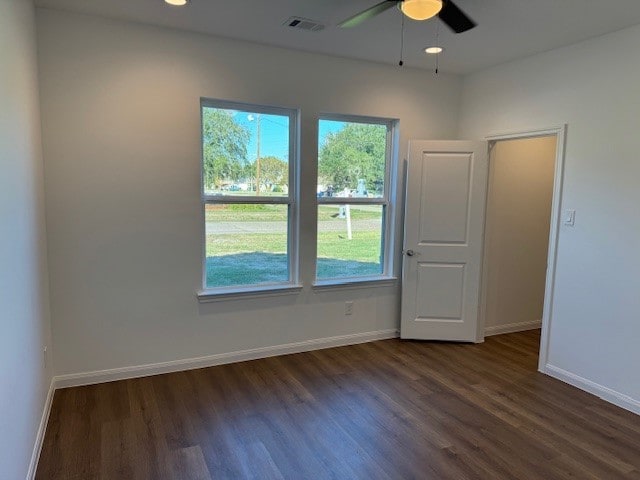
x,y
421,9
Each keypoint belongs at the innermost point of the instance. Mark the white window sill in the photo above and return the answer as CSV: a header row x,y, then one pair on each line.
x,y
222,294
362,282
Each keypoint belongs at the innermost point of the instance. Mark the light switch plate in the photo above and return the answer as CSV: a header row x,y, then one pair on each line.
x,y
569,218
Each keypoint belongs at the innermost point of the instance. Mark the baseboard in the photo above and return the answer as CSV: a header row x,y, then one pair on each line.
x,y
605,393
101,376
512,327
37,447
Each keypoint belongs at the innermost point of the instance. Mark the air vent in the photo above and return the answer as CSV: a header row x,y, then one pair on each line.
x,y
304,24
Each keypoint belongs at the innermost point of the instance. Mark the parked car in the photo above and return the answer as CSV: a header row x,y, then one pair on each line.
x,y
326,193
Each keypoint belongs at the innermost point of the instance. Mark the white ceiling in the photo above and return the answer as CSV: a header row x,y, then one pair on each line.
x,y
507,29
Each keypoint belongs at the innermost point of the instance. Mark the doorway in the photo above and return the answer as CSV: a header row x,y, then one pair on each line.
x,y
443,254
519,249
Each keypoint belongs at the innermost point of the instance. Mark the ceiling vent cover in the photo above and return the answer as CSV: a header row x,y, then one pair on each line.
x,y
304,24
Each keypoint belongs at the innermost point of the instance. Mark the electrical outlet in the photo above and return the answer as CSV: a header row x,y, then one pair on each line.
x,y
348,308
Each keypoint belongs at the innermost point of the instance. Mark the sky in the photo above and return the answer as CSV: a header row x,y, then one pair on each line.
x,y
274,135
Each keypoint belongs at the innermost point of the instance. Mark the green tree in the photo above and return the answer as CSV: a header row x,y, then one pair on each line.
x,y
357,151
273,171
249,172
224,147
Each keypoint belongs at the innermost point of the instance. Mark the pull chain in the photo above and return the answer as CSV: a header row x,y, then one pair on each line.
x,y
437,44
401,62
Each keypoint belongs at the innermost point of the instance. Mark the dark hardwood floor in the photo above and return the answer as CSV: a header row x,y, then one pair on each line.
x,y
383,410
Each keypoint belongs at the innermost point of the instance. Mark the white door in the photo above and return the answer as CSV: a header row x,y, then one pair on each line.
x,y
444,229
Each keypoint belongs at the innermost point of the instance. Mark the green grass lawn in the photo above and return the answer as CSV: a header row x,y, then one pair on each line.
x,y
249,257
219,245
271,213
363,247
261,258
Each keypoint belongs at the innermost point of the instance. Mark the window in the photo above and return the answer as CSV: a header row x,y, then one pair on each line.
x,y
353,193
249,196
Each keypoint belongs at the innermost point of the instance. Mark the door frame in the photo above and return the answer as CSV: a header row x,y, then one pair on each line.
x,y
556,215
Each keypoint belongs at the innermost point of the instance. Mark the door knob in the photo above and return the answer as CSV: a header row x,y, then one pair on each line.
x,y
410,253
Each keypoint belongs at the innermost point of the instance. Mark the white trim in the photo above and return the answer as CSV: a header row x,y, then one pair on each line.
x,y
561,134
257,291
37,447
512,327
552,258
513,135
605,393
353,282
101,376
353,201
247,199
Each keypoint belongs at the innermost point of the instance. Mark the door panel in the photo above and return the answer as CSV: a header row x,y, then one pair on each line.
x,y
444,227
442,293
445,177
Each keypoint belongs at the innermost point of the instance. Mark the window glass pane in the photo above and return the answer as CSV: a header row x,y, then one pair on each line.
x,y
351,159
246,244
245,153
350,241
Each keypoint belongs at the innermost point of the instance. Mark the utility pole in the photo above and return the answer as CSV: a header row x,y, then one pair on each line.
x,y
258,156
251,118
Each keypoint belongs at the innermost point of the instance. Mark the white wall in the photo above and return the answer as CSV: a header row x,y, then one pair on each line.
x,y
120,107
517,232
594,87
24,315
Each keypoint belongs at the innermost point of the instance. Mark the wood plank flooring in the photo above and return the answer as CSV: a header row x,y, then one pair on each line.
x,y
384,410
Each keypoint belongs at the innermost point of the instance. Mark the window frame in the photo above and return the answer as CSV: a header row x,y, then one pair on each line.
x,y
387,201
292,200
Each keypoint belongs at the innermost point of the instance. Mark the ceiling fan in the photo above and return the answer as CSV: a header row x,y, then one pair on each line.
x,y
446,10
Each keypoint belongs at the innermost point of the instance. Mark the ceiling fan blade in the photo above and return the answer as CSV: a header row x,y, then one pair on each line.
x,y
455,18
368,13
